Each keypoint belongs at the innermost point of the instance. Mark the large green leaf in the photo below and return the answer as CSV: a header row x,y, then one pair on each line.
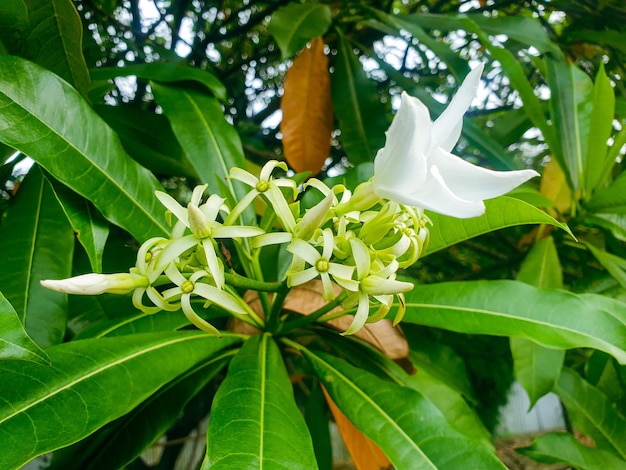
x,y
598,161
551,318
562,448
611,200
501,212
255,422
166,72
212,145
409,429
538,368
294,25
91,228
571,102
89,384
37,243
360,113
14,342
118,443
55,40
614,264
592,412
44,117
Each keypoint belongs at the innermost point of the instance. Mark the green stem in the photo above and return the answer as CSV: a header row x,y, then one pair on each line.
x,y
308,319
242,282
273,316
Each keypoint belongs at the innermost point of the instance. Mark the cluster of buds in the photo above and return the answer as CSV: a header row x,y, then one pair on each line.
x,y
356,241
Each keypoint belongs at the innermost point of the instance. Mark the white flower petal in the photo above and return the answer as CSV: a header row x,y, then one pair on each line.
x,y
243,176
303,250
173,206
215,266
300,277
473,182
219,297
360,317
446,130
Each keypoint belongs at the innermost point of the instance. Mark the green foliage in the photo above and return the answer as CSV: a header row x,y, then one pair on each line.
x,y
102,104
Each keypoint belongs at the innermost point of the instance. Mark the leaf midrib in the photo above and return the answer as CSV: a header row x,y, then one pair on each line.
x,y
99,370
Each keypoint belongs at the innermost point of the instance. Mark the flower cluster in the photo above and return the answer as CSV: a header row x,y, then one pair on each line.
x,y
354,240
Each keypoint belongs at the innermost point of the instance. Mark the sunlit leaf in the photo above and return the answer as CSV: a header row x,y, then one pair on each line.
x,y
14,342
551,318
89,384
119,442
501,212
255,422
45,118
37,243
409,429
307,122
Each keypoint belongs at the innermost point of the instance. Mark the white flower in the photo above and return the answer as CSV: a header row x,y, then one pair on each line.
x,y
94,284
416,168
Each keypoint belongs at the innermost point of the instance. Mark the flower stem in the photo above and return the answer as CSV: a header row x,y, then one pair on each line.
x,y
308,319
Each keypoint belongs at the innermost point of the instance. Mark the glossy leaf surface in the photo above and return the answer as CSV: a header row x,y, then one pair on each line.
x,y
54,136
119,442
255,422
409,429
501,212
552,318
37,243
89,384
14,342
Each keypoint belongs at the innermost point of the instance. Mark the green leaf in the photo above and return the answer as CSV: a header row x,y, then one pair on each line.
x,y
148,138
14,341
90,383
137,322
360,113
538,368
255,422
45,118
37,244
13,21
592,412
212,145
91,228
541,267
615,265
166,72
316,417
571,101
451,404
55,41
501,212
441,362
597,165
611,200
551,318
118,443
562,448
294,25
615,223
409,429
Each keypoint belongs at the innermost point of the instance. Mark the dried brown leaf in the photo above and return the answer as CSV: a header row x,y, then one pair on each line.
x,y
306,105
